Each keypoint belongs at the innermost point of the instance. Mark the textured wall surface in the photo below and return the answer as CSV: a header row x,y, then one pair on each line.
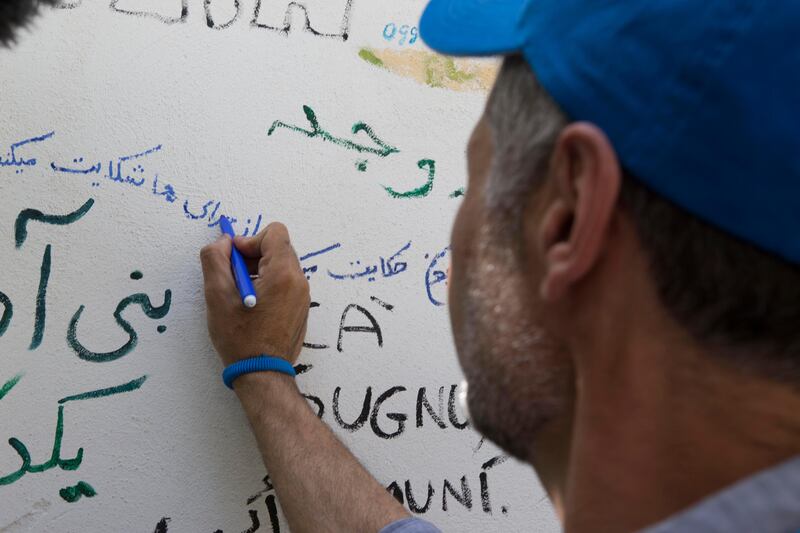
x,y
128,128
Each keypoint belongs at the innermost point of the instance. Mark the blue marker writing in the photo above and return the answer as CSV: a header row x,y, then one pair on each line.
x,y
240,273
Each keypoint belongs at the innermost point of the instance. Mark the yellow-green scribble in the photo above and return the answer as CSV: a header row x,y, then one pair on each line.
x,y
434,70
437,68
367,55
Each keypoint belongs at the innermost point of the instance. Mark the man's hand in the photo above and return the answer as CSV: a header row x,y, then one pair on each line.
x,y
277,324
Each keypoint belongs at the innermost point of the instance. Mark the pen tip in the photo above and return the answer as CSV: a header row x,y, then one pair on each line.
x,y
250,301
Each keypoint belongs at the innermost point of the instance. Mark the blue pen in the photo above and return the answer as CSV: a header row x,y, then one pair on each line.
x,y
240,273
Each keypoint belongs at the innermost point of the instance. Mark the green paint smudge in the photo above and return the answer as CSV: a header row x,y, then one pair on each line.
x,y
419,192
161,329
8,312
6,388
452,73
430,76
136,275
110,391
41,300
367,55
27,215
457,193
139,299
361,165
73,494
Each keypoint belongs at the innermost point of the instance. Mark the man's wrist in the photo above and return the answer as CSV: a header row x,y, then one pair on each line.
x,y
269,399
263,382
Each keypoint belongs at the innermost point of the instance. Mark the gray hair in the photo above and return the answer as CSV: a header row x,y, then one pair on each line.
x,y
525,123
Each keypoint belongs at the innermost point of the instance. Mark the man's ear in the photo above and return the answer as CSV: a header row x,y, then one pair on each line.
x,y
575,225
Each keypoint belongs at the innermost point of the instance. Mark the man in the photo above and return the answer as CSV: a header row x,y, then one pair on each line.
x,y
625,291
625,283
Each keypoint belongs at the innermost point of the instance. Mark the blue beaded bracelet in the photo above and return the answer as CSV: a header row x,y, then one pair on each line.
x,y
262,363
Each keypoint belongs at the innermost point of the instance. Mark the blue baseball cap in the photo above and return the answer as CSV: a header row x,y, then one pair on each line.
x,y
700,98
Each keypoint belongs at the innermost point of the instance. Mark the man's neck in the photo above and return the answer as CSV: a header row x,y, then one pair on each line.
x,y
649,441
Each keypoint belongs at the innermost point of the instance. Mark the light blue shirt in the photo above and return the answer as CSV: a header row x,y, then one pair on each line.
x,y
410,525
767,502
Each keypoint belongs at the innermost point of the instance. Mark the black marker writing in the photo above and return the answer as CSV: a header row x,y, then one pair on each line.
x,y
317,403
272,509
412,502
344,27
400,418
464,497
282,27
385,305
484,482
373,406
311,345
161,527
459,491
422,402
373,328
210,18
362,417
267,487
254,523
184,14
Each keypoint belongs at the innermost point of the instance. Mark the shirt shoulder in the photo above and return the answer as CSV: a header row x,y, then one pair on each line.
x,y
767,502
410,525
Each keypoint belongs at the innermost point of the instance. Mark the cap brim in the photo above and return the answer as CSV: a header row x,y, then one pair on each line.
x,y
473,27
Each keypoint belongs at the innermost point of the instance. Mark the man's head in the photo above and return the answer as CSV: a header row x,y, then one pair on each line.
x,y
15,14
561,255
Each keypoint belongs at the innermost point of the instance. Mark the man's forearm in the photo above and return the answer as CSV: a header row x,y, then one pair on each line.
x,y
320,484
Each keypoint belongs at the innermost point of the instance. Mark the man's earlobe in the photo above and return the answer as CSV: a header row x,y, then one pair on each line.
x,y
575,226
553,240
